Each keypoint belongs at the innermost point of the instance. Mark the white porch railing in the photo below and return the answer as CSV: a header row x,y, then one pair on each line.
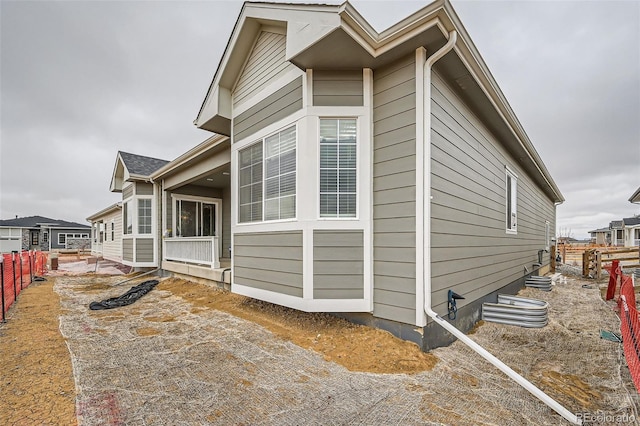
x,y
200,250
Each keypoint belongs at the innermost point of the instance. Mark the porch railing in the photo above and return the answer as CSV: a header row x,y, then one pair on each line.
x,y
198,250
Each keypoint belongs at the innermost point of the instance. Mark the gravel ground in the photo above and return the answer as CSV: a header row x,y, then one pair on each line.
x,y
162,361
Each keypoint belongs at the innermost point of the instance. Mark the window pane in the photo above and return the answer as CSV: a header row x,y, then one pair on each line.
x,y
273,167
347,157
288,139
272,187
328,205
272,209
328,131
187,218
245,195
328,156
245,176
288,161
347,181
347,205
288,207
288,184
328,181
347,131
272,145
208,220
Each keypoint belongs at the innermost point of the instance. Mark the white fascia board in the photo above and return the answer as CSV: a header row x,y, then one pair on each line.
x,y
105,211
189,156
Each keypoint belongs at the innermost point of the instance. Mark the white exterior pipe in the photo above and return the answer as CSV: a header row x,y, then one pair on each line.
x,y
552,403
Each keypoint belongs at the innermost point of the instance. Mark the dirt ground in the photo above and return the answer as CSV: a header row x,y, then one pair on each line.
x,y
566,359
37,385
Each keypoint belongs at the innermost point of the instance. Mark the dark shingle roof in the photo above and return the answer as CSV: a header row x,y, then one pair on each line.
x,y
600,230
631,220
34,221
615,224
141,165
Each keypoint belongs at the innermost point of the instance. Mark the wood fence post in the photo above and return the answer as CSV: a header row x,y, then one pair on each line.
x,y
585,263
598,265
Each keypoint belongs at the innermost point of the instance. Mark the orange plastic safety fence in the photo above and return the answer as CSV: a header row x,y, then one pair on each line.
x,y
630,328
16,273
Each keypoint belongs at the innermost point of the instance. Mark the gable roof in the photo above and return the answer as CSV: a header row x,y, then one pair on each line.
x,y
38,221
133,167
615,224
104,211
600,230
635,198
631,221
312,32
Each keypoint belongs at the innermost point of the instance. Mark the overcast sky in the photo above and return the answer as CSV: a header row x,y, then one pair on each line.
x,y
81,80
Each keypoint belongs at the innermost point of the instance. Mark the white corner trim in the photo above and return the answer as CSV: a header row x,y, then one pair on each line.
x,y
422,108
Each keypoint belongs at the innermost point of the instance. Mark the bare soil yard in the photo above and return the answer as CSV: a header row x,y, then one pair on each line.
x,y
189,354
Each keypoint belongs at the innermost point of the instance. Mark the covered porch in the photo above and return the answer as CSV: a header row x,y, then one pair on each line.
x,y
196,212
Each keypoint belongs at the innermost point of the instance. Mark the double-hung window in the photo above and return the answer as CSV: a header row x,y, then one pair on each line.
x,y
511,189
267,178
144,216
338,167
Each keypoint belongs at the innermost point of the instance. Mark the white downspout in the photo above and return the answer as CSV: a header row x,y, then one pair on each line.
x,y
573,418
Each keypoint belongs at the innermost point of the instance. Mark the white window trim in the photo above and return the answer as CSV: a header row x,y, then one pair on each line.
x,y
358,167
235,175
209,200
65,239
514,199
137,214
124,218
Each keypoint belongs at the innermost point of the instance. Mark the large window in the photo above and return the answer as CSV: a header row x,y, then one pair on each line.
x,y
144,216
195,218
267,178
511,201
338,167
127,216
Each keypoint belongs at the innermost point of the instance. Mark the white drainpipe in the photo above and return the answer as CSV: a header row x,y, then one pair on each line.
x,y
573,418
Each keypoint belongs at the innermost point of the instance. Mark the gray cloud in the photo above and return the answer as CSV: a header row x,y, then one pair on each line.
x,y
82,80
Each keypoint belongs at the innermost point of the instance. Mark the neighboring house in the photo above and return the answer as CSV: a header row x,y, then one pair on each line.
x,y
617,233
41,233
601,236
358,177
140,208
631,231
106,233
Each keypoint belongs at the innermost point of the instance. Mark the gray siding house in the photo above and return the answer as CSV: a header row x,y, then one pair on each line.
x,y
41,233
106,233
368,176
140,208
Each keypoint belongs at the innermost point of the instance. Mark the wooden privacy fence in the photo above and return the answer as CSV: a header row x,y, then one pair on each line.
x,y
17,271
593,260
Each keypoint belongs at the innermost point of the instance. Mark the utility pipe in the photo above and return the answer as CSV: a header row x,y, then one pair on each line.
x,y
573,418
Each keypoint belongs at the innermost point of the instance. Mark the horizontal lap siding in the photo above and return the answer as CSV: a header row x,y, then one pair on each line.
x,y
338,264
338,88
394,191
144,188
144,250
111,249
266,62
127,192
269,261
470,250
273,108
127,249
